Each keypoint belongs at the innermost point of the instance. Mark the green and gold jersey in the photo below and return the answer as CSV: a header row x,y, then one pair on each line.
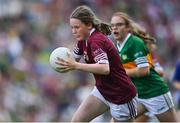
x,y
134,53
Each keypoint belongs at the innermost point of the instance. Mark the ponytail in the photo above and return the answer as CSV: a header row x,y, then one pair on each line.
x,y
140,32
102,27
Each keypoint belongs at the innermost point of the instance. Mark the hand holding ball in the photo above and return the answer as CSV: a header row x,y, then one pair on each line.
x,y
61,53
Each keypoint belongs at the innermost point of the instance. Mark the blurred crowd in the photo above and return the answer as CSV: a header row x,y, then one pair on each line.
x,y
30,90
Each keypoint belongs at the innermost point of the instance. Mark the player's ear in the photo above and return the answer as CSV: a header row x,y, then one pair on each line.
x,y
128,29
90,26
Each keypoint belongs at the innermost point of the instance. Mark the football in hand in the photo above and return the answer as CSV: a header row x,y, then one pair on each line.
x,y
60,52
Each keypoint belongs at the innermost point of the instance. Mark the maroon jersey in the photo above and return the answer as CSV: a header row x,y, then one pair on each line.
x,y
115,87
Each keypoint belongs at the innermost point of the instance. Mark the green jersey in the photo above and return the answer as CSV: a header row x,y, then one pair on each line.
x,y
134,53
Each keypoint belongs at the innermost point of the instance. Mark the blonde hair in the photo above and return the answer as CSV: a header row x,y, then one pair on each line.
x,y
87,16
135,28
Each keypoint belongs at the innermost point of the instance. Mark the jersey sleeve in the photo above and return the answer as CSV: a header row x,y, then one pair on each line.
x,y
99,52
78,50
139,53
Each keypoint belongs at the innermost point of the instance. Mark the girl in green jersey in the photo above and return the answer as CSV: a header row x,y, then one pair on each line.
x,y
153,93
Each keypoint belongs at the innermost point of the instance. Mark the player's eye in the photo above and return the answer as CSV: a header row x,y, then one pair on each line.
x,y
117,25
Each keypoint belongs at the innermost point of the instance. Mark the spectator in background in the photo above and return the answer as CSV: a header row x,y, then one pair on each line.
x,y
176,84
5,115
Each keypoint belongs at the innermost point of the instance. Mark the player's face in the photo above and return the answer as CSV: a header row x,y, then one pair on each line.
x,y
79,29
118,28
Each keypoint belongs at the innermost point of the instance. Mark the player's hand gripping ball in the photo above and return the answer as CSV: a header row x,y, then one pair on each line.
x,y
62,53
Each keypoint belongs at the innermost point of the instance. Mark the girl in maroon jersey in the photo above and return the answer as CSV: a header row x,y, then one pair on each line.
x,y
113,89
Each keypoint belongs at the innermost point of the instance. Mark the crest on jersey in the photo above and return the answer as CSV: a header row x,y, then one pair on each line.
x,y
124,57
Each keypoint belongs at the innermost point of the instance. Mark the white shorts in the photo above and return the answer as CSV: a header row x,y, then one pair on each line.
x,y
120,112
159,104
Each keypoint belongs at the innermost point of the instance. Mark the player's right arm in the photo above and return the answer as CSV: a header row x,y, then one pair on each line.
x,y
138,71
139,54
97,68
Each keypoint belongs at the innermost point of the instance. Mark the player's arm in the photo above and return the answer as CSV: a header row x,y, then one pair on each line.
x,y
137,72
157,66
159,70
101,65
70,64
93,68
142,67
139,54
